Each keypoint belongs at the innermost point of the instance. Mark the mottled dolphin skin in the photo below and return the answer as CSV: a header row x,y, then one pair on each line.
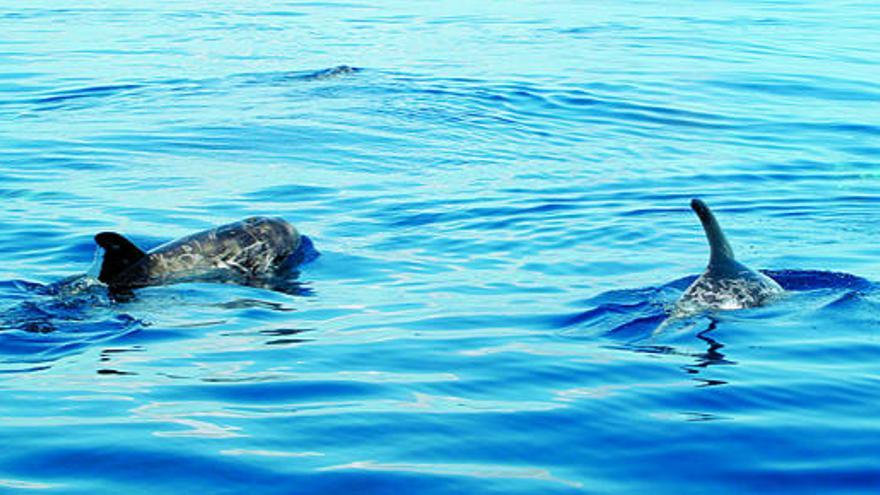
x,y
726,283
238,252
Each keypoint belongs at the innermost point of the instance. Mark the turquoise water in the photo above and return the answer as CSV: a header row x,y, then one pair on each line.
x,y
499,193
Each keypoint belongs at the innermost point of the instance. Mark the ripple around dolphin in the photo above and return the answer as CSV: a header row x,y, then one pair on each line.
x,y
49,322
46,327
635,314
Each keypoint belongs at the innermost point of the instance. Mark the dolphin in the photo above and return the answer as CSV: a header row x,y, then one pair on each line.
x,y
240,252
726,283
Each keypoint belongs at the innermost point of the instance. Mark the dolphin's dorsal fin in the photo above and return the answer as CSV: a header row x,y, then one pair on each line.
x,y
721,255
119,255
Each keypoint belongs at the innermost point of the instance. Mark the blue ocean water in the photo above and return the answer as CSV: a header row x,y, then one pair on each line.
x,y
499,192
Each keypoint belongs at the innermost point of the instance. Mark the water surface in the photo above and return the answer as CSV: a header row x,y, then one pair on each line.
x,y
500,196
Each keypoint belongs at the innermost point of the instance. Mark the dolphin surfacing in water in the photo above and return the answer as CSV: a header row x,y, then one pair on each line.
x,y
240,252
726,283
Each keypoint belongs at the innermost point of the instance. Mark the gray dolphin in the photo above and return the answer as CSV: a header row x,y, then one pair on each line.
x,y
726,283
239,252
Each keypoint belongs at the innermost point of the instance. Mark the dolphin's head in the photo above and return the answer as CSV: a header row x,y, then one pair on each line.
x,y
287,227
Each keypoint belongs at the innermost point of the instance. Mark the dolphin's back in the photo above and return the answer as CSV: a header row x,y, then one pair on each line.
x,y
251,248
726,283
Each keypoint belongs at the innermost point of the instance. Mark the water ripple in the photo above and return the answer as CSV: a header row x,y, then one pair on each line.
x,y
500,195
